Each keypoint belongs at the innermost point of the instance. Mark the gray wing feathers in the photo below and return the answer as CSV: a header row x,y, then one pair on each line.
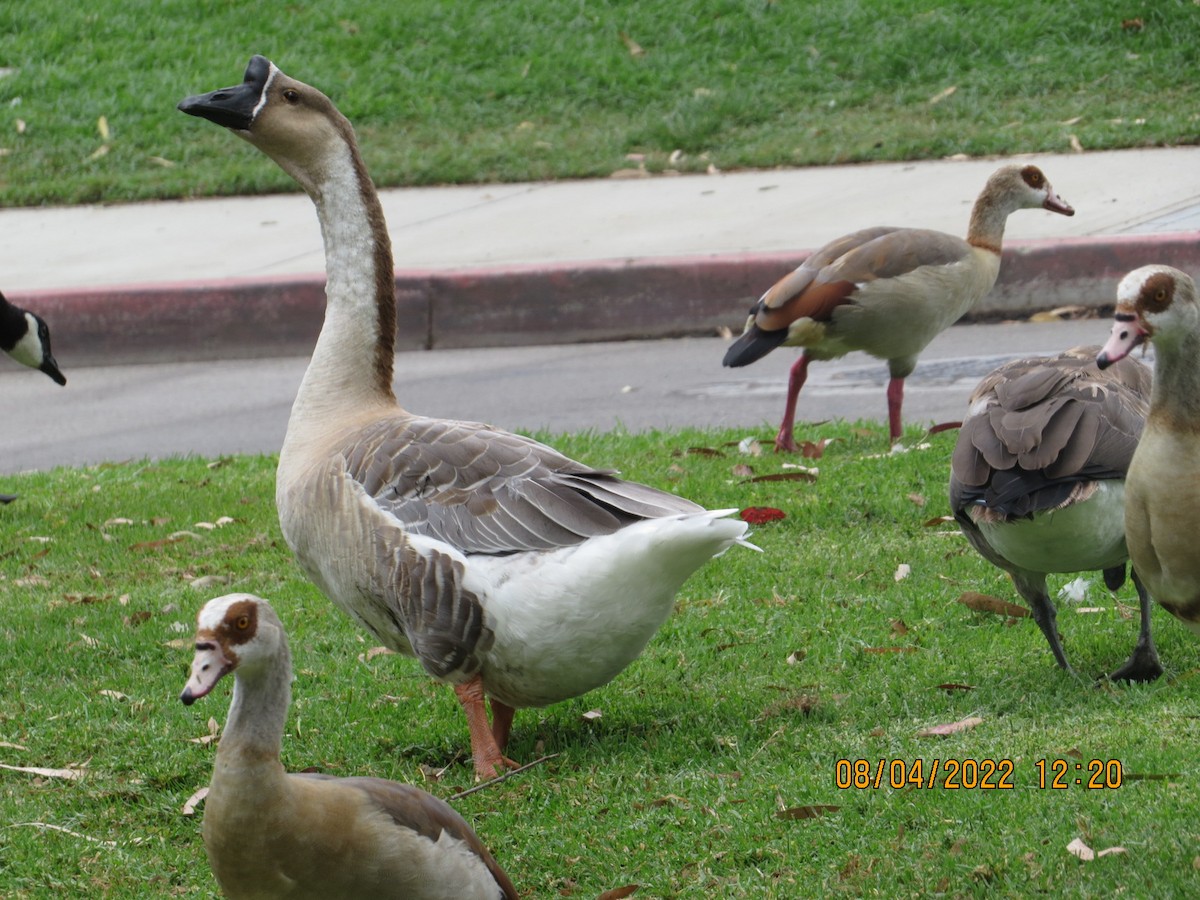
x,y
446,624
488,491
1048,422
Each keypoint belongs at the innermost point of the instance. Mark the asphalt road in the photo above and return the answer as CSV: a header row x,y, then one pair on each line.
x,y
128,412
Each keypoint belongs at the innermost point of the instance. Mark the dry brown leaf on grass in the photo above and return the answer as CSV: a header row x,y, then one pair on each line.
x,y
634,48
374,652
950,687
214,731
902,571
69,774
805,475
189,807
741,470
7,745
944,426
951,727
592,715
1087,854
815,449
618,893
936,521
812,811
889,649
943,94
986,603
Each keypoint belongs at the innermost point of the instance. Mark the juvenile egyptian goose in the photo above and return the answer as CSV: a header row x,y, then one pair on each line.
x,y
887,291
1037,479
506,568
271,834
1162,490
25,337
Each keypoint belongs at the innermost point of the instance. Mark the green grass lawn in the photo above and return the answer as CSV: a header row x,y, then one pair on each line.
x,y
475,91
712,769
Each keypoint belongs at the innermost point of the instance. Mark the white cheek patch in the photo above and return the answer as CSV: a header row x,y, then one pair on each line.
x,y
28,350
262,98
1131,285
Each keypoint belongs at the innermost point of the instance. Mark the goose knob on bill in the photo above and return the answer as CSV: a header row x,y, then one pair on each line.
x,y
1162,491
270,834
887,291
509,570
1037,480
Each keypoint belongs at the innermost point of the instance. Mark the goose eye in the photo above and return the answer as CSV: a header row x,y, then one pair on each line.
x,y
291,95
242,623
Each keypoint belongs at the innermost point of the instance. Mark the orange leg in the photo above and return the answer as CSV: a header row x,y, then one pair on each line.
x,y
785,440
489,758
502,719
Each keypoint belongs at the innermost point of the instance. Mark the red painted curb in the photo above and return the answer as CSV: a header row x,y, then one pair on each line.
x,y
536,304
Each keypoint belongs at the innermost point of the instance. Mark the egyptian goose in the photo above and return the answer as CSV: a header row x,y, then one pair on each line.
x,y
1037,479
506,568
1162,490
25,337
271,834
887,291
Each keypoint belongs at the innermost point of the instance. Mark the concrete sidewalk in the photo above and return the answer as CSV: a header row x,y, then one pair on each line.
x,y
499,265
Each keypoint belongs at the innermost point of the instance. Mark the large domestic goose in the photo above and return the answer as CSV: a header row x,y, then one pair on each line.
x,y
26,338
506,568
1037,479
1162,489
887,291
271,834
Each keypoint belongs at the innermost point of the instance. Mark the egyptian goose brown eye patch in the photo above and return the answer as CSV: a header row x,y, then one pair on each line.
x,y
241,622
1157,293
1033,176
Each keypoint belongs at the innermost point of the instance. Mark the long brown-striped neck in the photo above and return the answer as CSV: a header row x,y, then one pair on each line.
x,y
352,362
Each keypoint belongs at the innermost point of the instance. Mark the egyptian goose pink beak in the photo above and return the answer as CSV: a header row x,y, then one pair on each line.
x,y
887,291
1037,479
269,834
1162,490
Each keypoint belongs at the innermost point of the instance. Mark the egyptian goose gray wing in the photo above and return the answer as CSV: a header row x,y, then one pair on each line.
x,y
25,337
887,291
269,834
509,571
1036,480
1159,304
489,491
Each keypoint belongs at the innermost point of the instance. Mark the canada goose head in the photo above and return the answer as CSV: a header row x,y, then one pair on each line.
x,y
26,338
236,631
292,122
1153,303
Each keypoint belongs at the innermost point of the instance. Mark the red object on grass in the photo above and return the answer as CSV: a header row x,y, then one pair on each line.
x,y
760,515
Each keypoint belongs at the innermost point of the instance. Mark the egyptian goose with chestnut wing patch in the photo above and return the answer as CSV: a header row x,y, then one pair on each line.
x,y
1037,479
887,291
1162,490
270,834
506,568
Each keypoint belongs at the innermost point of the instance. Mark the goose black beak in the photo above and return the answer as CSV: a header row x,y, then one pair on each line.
x,y
232,107
50,367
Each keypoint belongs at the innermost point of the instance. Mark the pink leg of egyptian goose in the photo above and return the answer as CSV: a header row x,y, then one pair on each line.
x,y
887,291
